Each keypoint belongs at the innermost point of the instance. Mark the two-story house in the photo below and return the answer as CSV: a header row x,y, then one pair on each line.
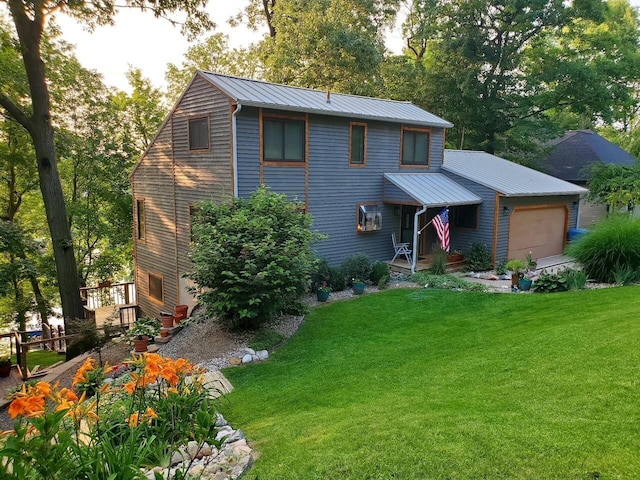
x,y
364,168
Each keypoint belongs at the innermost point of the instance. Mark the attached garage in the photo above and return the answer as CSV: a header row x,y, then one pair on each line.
x,y
540,230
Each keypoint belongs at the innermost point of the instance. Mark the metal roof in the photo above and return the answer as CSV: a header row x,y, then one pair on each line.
x,y
255,93
432,189
508,178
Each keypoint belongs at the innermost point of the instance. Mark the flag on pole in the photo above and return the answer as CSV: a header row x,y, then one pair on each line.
x,y
441,224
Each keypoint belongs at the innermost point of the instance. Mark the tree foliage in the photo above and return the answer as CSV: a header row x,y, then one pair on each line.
x,y
615,185
252,257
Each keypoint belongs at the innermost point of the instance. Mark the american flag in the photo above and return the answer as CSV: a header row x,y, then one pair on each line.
x,y
441,224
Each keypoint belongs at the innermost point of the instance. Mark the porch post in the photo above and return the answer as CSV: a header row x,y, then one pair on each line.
x,y
416,225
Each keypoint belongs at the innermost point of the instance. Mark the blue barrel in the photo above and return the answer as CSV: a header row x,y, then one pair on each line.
x,y
575,233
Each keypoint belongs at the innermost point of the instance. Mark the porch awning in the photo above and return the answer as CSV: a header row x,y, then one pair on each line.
x,y
426,189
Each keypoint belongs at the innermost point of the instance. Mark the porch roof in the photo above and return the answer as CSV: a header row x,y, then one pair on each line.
x,y
432,189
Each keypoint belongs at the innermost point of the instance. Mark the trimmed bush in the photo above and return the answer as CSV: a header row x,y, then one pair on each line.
x,y
612,246
357,265
322,274
379,270
252,257
479,257
337,279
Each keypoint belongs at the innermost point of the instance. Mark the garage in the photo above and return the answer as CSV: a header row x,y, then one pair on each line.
x,y
540,230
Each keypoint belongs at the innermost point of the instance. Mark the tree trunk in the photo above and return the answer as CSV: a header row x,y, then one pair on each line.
x,y
41,131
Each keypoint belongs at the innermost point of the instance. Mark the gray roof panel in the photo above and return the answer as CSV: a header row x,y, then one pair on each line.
x,y
268,95
432,189
508,178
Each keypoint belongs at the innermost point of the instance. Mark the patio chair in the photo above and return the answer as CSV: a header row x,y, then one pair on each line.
x,y
401,249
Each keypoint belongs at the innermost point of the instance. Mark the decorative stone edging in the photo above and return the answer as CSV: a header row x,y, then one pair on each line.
x,y
250,356
230,461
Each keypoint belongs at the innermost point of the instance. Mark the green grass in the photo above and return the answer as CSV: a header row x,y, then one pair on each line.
x,y
44,358
446,384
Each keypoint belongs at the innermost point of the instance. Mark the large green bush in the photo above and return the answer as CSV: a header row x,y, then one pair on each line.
x,y
252,257
479,257
358,266
612,246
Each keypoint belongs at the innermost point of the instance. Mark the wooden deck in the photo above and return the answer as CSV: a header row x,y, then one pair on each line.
x,y
401,265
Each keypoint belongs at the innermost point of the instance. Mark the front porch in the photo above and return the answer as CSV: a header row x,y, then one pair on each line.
x,y
400,265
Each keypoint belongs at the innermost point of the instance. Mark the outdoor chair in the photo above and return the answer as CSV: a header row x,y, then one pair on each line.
x,y
401,249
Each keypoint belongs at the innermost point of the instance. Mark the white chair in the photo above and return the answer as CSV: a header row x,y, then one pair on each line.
x,y
401,249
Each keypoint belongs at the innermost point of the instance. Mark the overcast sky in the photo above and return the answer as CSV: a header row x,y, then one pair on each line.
x,y
149,43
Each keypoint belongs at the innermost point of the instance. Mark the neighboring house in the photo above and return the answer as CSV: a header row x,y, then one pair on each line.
x,y
362,167
571,159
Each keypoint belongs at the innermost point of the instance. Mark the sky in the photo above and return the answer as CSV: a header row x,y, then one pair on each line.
x,y
140,40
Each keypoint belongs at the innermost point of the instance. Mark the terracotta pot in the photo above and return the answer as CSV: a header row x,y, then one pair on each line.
x,y
140,344
514,279
455,258
164,333
181,312
167,321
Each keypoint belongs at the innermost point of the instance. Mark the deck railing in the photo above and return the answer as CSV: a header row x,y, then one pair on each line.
x,y
109,294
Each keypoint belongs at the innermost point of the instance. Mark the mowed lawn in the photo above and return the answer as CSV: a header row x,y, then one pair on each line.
x,y
456,385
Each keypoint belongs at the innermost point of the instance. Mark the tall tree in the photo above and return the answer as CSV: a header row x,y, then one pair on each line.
x,y
30,21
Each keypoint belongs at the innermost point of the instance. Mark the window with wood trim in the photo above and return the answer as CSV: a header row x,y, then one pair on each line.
x,y
464,216
199,133
156,287
140,220
283,140
369,217
358,144
415,147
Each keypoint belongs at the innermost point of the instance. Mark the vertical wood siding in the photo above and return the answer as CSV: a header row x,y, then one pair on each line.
x,y
171,178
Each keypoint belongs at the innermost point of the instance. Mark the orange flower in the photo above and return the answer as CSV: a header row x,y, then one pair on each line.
x,y
30,406
133,419
68,395
80,375
170,376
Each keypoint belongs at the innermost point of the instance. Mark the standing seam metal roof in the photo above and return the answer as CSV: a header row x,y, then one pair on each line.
x,y
508,178
432,189
262,94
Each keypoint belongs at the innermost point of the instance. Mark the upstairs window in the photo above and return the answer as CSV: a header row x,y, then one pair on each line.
x,y
415,147
357,145
464,216
199,133
156,287
140,223
283,140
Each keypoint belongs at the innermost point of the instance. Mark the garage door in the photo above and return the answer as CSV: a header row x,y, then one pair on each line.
x,y
538,230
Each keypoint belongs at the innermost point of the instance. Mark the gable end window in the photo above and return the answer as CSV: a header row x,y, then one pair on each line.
x,y
415,147
156,287
140,220
283,140
199,133
358,144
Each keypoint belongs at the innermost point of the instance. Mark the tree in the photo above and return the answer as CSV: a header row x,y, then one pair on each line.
x,y
30,21
252,257
615,185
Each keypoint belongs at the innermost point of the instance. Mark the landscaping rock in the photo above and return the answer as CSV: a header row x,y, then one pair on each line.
x,y
262,354
250,351
235,436
220,421
255,358
247,358
235,361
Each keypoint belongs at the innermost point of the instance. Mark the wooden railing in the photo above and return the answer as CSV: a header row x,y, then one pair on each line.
x,y
109,294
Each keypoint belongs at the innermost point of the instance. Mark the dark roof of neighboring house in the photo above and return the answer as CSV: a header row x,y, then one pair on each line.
x,y
256,93
577,150
508,178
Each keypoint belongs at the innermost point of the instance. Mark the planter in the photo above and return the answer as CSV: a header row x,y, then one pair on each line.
x,y
458,257
514,279
524,284
358,288
181,312
322,296
164,332
5,370
167,321
140,344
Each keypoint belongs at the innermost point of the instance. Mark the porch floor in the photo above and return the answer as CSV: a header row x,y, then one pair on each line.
x,y
401,265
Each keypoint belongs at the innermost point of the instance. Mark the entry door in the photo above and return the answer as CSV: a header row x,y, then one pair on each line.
x,y
408,215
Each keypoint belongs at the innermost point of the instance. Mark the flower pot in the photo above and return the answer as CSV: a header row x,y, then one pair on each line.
x,y
167,321
181,312
323,296
164,332
5,370
140,344
514,279
358,288
524,284
453,258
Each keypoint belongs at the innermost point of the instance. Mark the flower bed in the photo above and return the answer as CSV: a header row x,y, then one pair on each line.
x,y
152,415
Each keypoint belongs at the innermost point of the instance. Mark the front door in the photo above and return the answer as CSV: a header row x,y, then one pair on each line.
x,y
408,215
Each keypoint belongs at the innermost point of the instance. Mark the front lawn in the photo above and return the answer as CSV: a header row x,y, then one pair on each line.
x,y
445,384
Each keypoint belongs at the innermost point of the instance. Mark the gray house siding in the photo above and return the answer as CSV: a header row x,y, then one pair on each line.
x,y
462,238
248,145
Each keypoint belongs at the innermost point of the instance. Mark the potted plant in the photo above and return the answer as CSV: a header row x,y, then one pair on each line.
x,y
517,269
141,331
357,286
524,282
323,291
5,366
531,263
455,256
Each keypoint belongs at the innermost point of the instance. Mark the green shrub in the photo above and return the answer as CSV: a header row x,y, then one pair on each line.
x,y
252,257
479,257
625,276
382,283
322,274
448,282
550,282
337,279
576,279
439,260
379,270
501,267
357,265
613,245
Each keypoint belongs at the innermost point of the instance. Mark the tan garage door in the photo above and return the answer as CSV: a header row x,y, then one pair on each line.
x,y
538,230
